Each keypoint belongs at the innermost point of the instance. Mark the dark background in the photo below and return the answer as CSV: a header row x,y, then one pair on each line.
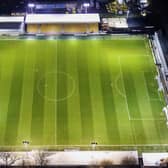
x,y
158,8
160,13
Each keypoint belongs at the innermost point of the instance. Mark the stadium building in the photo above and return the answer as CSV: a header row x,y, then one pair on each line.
x,y
62,23
83,83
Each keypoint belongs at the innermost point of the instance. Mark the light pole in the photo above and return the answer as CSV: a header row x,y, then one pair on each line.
x,y
31,6
86,6
128,12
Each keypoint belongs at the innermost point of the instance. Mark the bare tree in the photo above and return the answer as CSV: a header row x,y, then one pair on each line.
x,y
25,162
164,162
41,158
106,163
8,158
129,160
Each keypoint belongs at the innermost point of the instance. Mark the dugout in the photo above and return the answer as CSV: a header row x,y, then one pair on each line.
x,y
62,23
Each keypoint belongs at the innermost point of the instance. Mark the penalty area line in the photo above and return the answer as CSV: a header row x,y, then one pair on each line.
x,y
121,72
147,119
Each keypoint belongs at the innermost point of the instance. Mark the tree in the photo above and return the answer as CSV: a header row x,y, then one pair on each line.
x,y
129,160
164,162
8,158
41,158
25,162
106,163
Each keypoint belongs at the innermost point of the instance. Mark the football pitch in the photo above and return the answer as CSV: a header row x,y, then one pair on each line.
x,y
76,91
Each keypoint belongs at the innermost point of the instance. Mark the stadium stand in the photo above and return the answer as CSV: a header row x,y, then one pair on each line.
x,y
11,25
62,23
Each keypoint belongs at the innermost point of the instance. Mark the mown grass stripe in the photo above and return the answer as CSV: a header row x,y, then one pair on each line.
x,y
14,101
94,62
84,89
161,127
37,121
49,134
1,113
145,108
109,108
157,103
62,120
99,121
120,101
134,111
151,84
55,115
156,100
5,85
108,101
156,106
142,95
73,103
24,129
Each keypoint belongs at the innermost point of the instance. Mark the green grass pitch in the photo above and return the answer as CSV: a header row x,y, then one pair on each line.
x,y
72,92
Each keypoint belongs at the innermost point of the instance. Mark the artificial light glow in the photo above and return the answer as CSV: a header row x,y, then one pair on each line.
x,y
72,38
143,13
86,5
31,5
94,37
30,38
51,38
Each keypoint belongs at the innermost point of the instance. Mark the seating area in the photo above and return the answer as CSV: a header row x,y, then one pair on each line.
x,y
62,23
10,25
114,7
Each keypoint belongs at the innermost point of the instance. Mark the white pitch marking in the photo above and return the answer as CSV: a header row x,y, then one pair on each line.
x,y
129,116
117,88
147,119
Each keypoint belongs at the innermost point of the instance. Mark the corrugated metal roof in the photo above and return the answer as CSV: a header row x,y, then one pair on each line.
x,y
62,18
12,19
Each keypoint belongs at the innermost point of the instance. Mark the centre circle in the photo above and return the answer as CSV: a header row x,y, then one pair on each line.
x,y
56,86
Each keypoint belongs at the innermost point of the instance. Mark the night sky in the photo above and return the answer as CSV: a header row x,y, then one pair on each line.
x,y
8,6
159,7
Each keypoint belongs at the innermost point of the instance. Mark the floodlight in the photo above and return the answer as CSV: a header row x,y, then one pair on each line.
x,y
31,5
86,5
120,1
